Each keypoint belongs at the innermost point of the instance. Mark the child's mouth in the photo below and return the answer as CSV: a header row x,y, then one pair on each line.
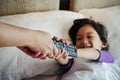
x,y
86,47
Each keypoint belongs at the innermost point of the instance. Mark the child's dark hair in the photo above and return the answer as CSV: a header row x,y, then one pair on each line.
x,y
99,28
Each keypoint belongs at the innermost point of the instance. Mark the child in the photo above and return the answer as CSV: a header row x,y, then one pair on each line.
x,y
91,40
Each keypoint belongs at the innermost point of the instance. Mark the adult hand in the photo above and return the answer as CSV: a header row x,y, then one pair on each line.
x,y
30,41
40,46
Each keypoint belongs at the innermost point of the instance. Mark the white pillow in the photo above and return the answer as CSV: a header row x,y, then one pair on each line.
x,y
55,22
110,17
14,64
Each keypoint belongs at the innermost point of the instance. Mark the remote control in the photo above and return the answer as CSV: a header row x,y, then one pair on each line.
x,y
70,49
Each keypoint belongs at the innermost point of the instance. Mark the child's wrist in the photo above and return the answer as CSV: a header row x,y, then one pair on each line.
x,y
62,62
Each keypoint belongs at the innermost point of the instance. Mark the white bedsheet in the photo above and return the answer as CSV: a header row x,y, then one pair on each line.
x,y
93,71
16,65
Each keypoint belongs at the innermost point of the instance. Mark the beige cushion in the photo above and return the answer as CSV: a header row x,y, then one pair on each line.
x,y
76,5
9,7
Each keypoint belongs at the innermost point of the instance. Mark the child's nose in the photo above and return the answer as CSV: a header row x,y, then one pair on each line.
x,y
84,41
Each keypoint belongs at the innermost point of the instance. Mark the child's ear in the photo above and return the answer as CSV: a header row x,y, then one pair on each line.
x,y
105,44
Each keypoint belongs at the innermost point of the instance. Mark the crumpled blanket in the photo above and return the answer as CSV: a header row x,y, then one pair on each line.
x,y
93,71
16,65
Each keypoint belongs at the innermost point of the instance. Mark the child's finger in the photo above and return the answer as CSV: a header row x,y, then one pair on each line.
x,y
55,38
62,40
59,51
58,55
62,52
67,42
65,55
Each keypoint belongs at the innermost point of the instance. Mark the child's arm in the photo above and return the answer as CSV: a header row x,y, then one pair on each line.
x,y
88,53
94,54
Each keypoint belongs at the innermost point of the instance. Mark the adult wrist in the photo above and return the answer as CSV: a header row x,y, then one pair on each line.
x,y
29,37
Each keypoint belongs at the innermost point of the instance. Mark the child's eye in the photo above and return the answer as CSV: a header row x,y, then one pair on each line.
x,y
89,37
79,38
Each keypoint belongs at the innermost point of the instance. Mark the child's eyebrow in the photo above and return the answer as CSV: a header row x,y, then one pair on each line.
x,y
87,33
90,32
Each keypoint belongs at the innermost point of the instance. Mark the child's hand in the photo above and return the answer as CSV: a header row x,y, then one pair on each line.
x,y
62,57
61,40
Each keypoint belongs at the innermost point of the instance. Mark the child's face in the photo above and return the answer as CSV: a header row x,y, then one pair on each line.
x,y
87,37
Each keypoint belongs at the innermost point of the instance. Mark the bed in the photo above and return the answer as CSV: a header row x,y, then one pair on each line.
x,y
45,15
